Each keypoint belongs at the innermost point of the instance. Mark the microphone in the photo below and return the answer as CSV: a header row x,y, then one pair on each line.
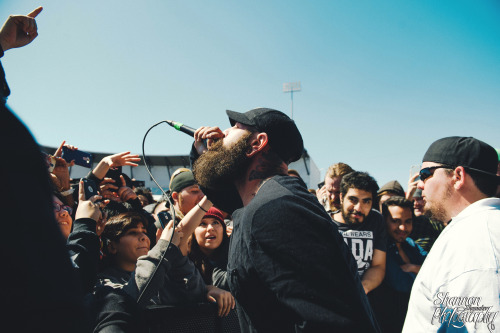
x,y
185,129
181,127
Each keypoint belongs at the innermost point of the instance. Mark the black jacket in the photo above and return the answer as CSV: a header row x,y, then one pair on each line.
x,y
289,268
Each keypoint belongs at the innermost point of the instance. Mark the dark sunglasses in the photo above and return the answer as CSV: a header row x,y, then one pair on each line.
x,y
429,172
58,207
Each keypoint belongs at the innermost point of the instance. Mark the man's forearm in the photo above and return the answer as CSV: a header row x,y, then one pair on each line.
x,y
372,278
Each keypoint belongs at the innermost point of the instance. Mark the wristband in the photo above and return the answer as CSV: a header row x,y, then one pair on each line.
x,y
67,192
206,211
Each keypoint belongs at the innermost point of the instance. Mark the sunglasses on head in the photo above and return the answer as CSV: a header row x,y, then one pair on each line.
x,y
58,208
429,172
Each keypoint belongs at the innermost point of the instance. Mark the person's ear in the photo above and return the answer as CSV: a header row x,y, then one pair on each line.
x,y
459,176
112,247
175,196
258,143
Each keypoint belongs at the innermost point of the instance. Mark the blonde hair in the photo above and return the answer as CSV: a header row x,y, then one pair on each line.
x,y
338,170
177,172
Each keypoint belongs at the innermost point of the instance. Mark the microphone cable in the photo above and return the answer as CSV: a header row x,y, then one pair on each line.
x,y
172,210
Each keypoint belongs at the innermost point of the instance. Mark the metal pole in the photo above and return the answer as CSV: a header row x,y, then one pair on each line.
x,y
291,87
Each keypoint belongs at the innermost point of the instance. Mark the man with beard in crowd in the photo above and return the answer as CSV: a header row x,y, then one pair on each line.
x,y
362,227
459,282
289,268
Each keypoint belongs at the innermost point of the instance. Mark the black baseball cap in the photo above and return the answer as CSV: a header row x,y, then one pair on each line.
x,y
284,136
468,152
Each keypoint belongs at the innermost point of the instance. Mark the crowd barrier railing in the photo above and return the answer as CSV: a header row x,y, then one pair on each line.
x,y
198,318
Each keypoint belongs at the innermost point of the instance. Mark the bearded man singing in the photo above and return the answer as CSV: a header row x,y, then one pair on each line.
x,y
289,268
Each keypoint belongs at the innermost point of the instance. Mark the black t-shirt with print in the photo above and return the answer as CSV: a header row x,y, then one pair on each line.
x,y
363,238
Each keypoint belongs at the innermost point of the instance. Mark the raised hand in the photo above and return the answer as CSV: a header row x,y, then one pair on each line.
x,y
167,233
126,193
121,159
114,161
108,190
60,174
323,197
19,30
89,208
58,152
412,186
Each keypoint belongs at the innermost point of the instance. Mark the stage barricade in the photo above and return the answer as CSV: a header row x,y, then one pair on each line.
x,y
199,318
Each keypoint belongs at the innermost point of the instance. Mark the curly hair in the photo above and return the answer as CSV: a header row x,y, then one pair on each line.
x,y
359,180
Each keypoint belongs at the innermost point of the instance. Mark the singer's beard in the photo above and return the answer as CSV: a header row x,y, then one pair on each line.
x,y
219,167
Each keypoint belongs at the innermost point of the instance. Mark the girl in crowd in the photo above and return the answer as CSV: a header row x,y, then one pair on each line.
x,y
209,245
63,216
209,254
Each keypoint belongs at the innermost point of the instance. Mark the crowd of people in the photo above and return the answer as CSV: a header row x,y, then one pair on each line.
x,y
241,230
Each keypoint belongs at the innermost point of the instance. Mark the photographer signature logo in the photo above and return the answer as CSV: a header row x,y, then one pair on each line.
x,y
457,311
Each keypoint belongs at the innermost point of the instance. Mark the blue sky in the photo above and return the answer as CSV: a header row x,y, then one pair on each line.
x,y
381,80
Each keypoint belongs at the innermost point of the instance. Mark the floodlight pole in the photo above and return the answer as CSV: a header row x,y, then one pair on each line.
x,y
291,87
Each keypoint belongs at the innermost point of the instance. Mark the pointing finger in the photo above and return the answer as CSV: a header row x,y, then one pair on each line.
x,y
95,198
123,181
34,13
81,192
59,150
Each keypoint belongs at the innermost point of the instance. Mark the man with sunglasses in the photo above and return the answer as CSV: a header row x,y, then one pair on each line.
x,y
458,284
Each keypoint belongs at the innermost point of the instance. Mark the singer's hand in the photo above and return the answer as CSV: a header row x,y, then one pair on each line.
x,y
211,134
